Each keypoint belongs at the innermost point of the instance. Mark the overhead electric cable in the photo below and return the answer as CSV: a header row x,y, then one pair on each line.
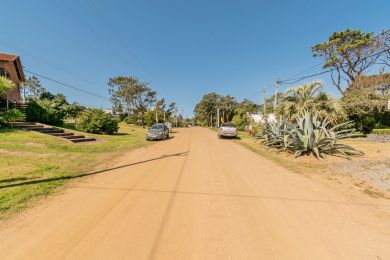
x,y
65,84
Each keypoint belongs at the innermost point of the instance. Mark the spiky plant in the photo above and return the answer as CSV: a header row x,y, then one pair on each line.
x,y
309,136
275,134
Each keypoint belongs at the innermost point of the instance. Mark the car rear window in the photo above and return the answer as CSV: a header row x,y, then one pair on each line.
x,y
227,125
157,127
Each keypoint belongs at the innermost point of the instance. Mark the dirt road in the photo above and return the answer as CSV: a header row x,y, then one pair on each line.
x,y
198,197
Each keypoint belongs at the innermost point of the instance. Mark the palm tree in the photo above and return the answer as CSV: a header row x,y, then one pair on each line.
x,y
5,86
310,98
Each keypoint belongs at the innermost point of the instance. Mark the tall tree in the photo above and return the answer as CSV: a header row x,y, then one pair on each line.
x,y
384,38
227,105
205,111
349,53
32,87
134,96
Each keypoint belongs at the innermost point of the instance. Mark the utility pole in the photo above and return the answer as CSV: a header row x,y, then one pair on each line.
x,y
276,93
264,108
156,112
217,117
182,117
164,115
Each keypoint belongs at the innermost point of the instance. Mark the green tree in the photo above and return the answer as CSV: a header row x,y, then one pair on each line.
x,y
134,96
366,102
310,98
32,88
350,53
227,105
205,111
74,110
240,118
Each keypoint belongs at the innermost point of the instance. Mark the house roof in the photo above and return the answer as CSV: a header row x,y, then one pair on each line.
x,y
17,63
8,57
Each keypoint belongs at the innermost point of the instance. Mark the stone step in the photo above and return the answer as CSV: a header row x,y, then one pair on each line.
x,y
81,140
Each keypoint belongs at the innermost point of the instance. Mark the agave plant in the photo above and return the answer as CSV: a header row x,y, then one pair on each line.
x,y
310,136
275,134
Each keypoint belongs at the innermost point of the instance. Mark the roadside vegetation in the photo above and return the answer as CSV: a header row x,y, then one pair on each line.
x,y
34,165
305,120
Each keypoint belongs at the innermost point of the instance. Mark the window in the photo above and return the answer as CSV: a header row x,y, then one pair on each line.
x,y
2,72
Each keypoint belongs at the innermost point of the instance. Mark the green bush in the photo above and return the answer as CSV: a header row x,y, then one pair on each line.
x,y
240,122
367,124
11,116
95,121
46,111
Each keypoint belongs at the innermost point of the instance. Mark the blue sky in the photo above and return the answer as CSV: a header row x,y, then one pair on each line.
x,y
184,48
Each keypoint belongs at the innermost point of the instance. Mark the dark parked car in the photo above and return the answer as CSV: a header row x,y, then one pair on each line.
x,y
227,130
158,132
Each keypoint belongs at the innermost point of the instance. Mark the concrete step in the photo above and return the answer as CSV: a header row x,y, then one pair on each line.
x,y
81,140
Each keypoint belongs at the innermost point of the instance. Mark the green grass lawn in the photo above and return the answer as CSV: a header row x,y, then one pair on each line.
x,y
33,165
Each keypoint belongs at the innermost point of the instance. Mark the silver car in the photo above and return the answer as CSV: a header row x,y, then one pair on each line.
x,y
227,130
158,132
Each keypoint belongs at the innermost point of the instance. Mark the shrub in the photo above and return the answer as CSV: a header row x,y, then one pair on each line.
x,y
11,116
45,111
95,121
309,136
132,119
367,124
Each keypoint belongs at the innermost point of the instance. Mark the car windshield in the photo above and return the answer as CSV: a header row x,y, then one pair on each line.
x,y
227,125
157,127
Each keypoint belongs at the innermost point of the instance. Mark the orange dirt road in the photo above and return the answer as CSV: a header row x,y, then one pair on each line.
x,y
197,197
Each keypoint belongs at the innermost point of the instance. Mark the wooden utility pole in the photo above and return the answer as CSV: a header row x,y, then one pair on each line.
x,y
156,112
276,93
265,107
217,117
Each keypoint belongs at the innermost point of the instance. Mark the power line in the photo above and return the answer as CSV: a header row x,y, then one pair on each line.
x,y
66,85
53,65
330,70
102,18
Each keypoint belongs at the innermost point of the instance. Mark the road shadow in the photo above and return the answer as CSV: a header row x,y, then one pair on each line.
x,y
90,173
